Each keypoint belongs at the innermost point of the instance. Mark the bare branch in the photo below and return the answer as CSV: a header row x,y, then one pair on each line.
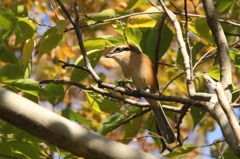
x,y
186,58
223,101
76,26
222,47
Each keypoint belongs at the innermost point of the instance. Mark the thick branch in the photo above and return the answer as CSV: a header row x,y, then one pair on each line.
x,y
224,115
61,132
222,47
229,115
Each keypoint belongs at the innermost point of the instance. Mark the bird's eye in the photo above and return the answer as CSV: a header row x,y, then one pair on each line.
x,y
121,49
118,49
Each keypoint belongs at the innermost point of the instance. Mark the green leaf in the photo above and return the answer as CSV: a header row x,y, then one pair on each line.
x,y
25,149
10,73
131,129
229,153
27,85
53,93
7,55
134,35
151,126
61,25
145,20
195,50
49,40
223,5
20,11
105,14
214,72
69,114
7,22
200,28
78,74
149,41
27,52
197,115
110,124
61,152
101,104
25,30
178,152
5,148
132,4
102,42
235,56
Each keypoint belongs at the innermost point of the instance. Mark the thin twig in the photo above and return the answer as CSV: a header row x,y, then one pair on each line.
x,y
185,109
172,81
202,57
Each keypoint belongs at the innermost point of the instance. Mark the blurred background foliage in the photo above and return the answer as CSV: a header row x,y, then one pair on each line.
x,y
34,35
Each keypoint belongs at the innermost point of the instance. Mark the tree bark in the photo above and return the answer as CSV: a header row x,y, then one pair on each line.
x,y
61,132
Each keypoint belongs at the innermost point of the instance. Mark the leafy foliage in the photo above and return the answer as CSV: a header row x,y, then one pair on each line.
x,y
34,36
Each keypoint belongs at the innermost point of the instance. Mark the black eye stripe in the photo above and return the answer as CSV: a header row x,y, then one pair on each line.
x,y
121,49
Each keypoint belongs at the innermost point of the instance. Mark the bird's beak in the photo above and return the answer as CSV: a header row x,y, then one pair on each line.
x,y
109,55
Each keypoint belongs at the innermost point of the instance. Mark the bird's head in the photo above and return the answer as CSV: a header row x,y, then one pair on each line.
x,y
123,52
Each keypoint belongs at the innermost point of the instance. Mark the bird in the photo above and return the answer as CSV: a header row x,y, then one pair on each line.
x,y
137,66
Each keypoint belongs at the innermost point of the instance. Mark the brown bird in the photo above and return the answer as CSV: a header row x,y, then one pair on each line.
x,y
137,66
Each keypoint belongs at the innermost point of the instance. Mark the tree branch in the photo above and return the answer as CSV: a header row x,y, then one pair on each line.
x,y
220,108
141,93
227,117
61,132
187,63
222,47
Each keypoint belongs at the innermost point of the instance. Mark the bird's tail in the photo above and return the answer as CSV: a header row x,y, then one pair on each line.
x,y
162,123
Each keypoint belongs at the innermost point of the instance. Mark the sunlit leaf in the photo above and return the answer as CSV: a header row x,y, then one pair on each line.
x,y
101,104
27,85
49,40
105,14
102,42
134,35
145,20
178,152
7,22
25,30
214,72
200,28
78,74
27,52
110,124
71,115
